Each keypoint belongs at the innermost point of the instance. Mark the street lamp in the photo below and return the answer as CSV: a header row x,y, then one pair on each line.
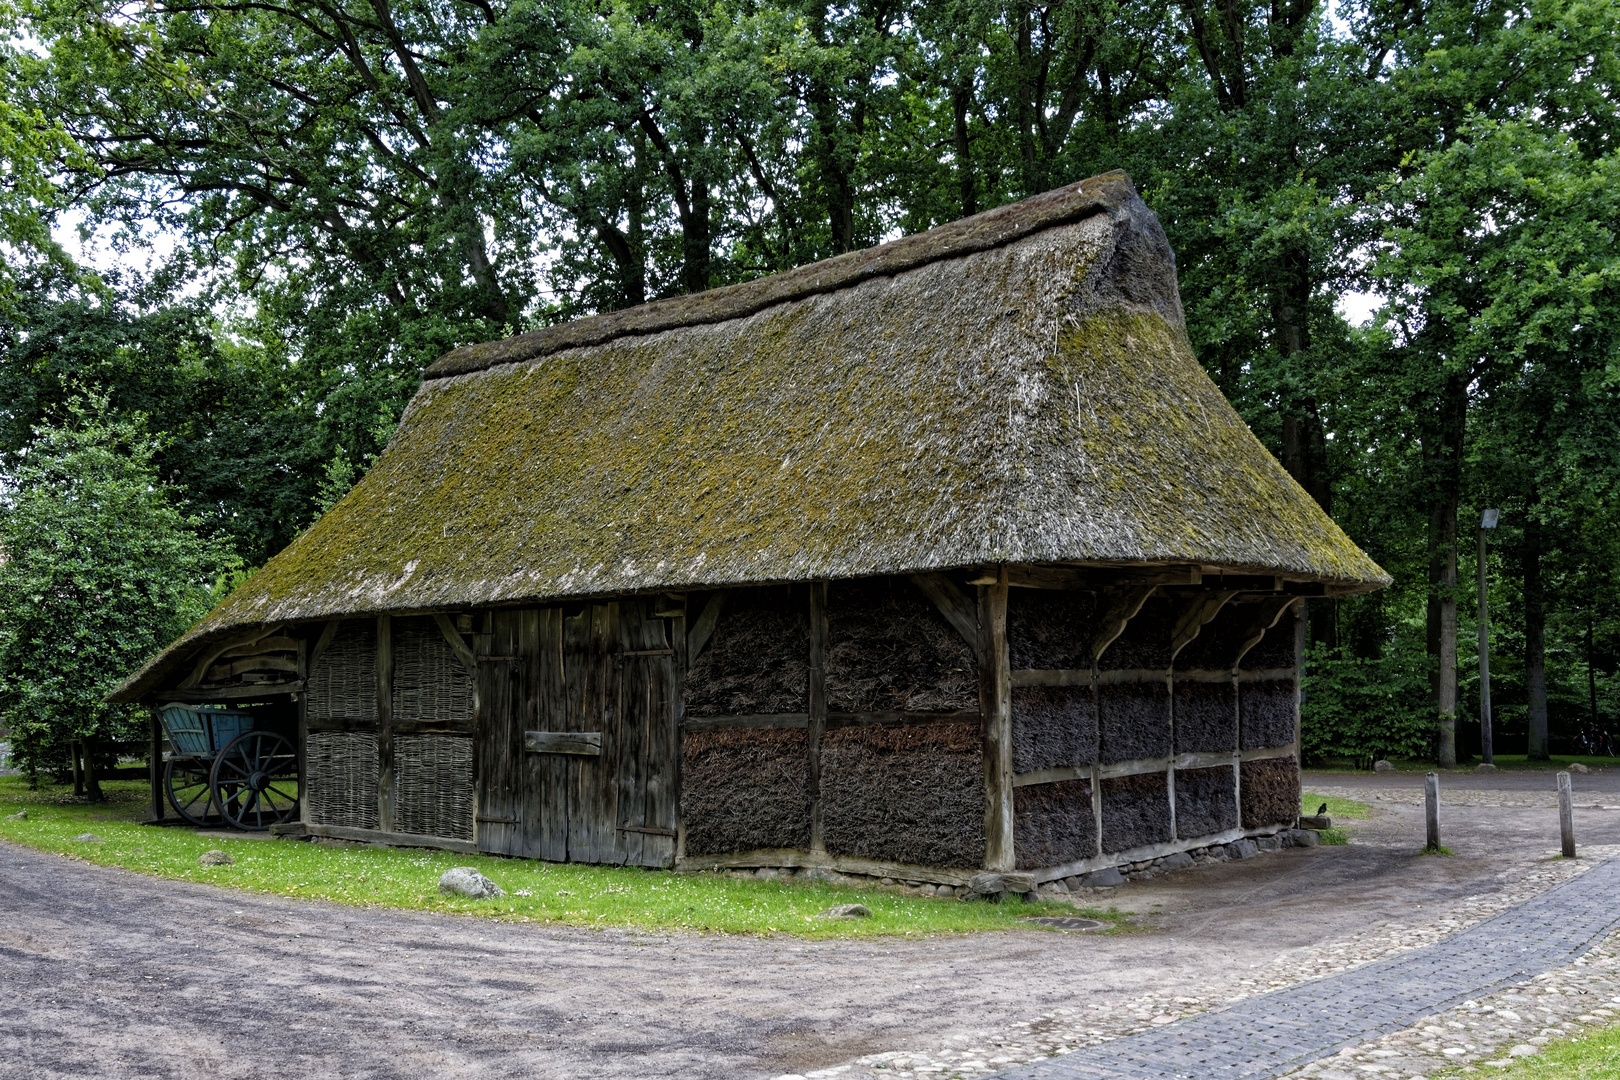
x,y
1487,521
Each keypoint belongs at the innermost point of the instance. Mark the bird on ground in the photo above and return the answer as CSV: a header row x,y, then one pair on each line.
x,y
1320,810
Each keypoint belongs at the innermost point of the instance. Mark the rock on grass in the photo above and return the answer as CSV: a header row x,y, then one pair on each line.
x,y
846,911
468,882
214,858
88,838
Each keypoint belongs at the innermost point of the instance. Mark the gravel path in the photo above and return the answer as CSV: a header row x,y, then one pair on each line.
x,y
106,973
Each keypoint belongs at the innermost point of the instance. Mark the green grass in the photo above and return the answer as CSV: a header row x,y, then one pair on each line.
x,y
1588,1057
1505,762
1336,807
1334,837
536,891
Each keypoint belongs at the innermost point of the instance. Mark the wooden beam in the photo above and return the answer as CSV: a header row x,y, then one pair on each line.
x,y
457,643
226,694
1120,607
1199,611
264,645
328,632
1090,577
206,658
377,836
952,603
702,630
995,709
818,705
385,716
583,743
1267,613
155,764
763,720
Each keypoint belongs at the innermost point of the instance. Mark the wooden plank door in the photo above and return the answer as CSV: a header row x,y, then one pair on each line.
x,y
593,697
647,738
498,765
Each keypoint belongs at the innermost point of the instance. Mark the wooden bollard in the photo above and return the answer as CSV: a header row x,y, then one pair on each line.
x,y
1566,813
1431,808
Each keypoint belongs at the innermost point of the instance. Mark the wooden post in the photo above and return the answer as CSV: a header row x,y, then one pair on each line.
x,y
1431,809
385,717
995,704
154,770
817,705
1566,814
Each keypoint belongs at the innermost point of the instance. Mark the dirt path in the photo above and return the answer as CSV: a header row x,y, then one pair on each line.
x,y
106,973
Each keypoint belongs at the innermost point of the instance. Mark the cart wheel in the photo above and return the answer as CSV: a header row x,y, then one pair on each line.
x,y
190,790
256,780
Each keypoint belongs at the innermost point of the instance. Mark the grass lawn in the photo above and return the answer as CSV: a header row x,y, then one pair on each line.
x,y
1336,807
1505,762
1588,1057
536,891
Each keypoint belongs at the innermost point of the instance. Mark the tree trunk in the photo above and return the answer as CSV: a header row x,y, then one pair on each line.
x,y
1535,640
1442,454
695,232
92,785
961,99
1445,566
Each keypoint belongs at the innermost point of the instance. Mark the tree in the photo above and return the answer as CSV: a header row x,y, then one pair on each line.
x,y
99,571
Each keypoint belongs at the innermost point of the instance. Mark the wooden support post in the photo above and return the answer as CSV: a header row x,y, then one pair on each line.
x,y
817,705
1431,809
154,770
995,704
1566,814
385,716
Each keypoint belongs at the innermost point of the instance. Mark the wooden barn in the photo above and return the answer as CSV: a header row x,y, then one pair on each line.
x,y
938,557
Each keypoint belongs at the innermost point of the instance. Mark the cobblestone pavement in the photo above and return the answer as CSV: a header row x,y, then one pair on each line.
x,y
1492,1030
1064,1031
1257,1038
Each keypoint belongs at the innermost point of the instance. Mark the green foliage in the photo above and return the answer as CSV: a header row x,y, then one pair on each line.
x,y
569,894
1365,708
100,570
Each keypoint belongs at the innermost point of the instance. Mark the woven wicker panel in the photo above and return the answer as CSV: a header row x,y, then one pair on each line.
x,y
433,787
343,684
429,682
342,778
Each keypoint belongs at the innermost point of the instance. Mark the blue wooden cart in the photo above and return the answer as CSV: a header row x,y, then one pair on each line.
x,y
224,766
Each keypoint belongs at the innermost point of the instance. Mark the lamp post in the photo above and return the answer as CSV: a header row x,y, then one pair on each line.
x,y
1487,521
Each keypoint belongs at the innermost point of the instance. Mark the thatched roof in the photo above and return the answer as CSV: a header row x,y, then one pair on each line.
x,y
1016,387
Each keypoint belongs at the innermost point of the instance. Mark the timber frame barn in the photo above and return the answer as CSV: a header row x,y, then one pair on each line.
x,y
934,558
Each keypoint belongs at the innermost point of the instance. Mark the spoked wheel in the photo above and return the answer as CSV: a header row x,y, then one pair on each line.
x,y
190,788
256,780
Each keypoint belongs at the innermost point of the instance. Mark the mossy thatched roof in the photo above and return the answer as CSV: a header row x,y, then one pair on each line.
x,y
1017,387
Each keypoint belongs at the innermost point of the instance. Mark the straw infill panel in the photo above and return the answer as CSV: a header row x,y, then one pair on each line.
x,y
343,684
342,778
433,785
429,682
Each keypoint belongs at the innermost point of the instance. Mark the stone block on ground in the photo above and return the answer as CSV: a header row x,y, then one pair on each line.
x,y
1484,766
88,838
1106,878
467,881
1303,838
214,858
1242,849
1578,768
1383,766
846,911
1316,821
986,883
1179,860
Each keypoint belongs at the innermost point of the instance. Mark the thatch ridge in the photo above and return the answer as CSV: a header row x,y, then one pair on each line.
x,y
1034,400
981,232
